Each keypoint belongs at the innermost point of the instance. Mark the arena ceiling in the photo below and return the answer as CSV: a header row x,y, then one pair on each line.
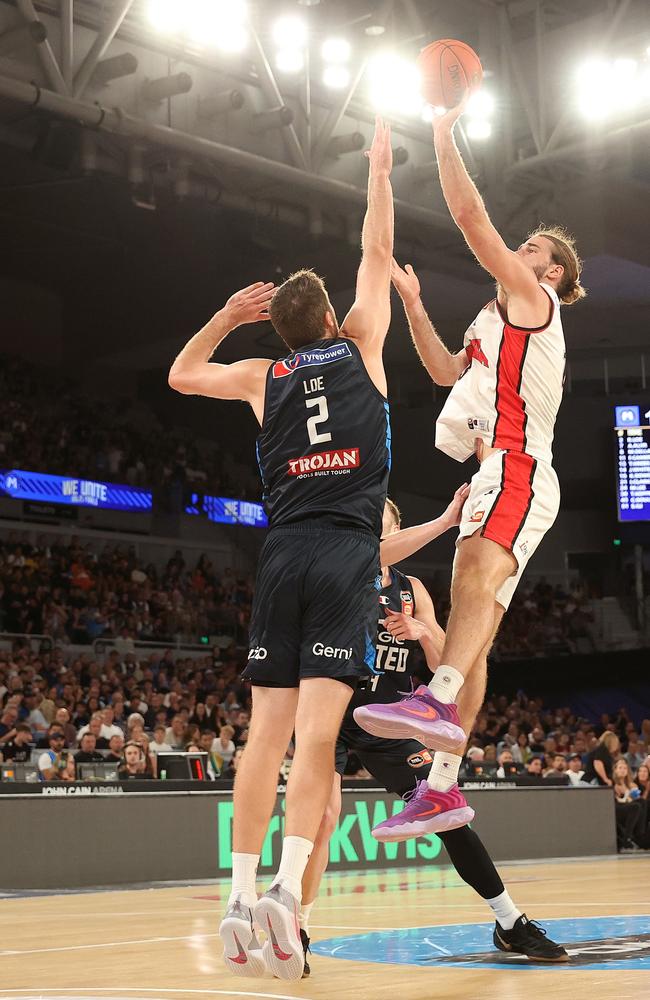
x,y
139,212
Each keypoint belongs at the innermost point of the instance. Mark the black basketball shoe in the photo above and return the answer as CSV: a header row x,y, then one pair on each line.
x,y
528,938
306,949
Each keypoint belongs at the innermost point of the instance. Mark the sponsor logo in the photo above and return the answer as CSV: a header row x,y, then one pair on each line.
x,y
335,652
523,548
478,515
257,653
475,353
419,759
383,599
325,463
406,597
306,359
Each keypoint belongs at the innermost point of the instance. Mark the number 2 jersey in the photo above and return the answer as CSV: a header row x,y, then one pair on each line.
x,y
324,447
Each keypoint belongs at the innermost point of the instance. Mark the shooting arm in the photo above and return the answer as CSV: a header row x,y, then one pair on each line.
x,y
444,367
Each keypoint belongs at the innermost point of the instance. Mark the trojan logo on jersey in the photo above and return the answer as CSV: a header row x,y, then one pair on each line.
x,y
406,597
325,463
475,352
305,359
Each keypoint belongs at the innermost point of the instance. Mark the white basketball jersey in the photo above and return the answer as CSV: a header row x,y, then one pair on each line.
x,y
511,390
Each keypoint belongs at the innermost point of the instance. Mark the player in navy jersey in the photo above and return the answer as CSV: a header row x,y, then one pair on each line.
x,y
324,458
406,620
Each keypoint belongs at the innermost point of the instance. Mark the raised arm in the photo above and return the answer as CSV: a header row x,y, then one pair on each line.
x,y
368,320
443,366
470,215
404,543
192,371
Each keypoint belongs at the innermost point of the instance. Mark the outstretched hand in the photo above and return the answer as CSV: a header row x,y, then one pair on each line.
x,y
405,281
249,305
454,511
380,153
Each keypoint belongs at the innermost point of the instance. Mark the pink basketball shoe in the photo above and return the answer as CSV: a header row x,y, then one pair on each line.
x,y
419,717
427,811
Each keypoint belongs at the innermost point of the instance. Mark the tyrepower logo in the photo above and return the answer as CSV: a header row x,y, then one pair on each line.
x,y
306,359
325,463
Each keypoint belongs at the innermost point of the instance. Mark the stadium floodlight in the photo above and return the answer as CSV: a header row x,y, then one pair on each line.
x,y
624,76
289,60
478,129
594,98
336,50
290,33
336,77
480,105
394,84
218,23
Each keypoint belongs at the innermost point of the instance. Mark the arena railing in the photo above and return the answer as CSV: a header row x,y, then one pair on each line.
x,y
100,647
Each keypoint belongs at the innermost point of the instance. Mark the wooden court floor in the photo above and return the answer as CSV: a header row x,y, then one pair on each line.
x,y
145,944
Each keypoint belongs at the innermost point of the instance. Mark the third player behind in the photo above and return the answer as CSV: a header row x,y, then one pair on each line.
x,y
506,391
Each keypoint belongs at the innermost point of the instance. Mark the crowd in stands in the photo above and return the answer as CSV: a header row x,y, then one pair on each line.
x,y
48,425
72,592
66,709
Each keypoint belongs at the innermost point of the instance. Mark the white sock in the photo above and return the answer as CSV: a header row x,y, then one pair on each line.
x,y
303,916
446,683
444,771
504,910
244,871
295,855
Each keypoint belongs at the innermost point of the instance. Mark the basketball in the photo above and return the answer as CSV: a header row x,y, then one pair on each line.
x,y
448,69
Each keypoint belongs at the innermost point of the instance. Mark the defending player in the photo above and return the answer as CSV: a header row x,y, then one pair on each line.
x,y
507,388
324,456
406,619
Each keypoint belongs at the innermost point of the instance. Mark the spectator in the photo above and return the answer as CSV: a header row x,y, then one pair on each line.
x,y
109,726
600,761
490,754
231,771
507,766
558,766
56,764
159,743
206,742
634,755
175,734
95,727
32,713
134,763
224,747
643,781
534,768
19,747
628,807
62,717
87,753
8,721
575,771
115,749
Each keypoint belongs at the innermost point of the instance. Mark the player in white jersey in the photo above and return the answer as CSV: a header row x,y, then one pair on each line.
x,y
507,387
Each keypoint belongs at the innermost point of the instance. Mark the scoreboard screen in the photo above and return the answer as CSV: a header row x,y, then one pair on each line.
x,y
633,463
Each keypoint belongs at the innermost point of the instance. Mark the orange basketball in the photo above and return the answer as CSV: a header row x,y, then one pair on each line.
x,y
448,69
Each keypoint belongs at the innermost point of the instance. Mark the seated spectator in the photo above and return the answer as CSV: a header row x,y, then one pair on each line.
x,y
115,749
599,765
159,743
490,754
62,717
87,753
557,768
8,721
32,714
206,743
643,781
175,734
19,747
231,770
109,726
629,810
507,766
134,764
56,763
634,755
521,752
534,768
94,727
224,747
575,770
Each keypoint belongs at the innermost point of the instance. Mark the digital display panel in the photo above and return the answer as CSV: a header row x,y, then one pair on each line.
x,y
224,510
632,462
68,490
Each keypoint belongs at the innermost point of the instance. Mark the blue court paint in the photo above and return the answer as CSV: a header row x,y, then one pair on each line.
x,y
603,943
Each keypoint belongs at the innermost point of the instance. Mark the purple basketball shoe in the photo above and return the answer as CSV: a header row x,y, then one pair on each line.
x,y
419,717
427,811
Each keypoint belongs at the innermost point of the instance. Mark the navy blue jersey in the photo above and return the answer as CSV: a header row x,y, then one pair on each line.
x,y
395,660
324,446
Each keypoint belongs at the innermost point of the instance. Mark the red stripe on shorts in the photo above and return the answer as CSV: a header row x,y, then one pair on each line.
x,y
510,509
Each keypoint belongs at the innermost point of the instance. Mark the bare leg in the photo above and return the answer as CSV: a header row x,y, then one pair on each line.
x,y
480,568
472,693
321,705
256,784
320,855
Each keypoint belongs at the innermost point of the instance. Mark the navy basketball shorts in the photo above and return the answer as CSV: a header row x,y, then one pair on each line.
x,y
395,764
315,609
